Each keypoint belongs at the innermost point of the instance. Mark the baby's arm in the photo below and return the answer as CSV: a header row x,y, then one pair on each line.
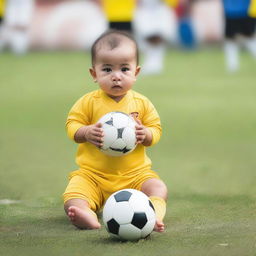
x,y
90,133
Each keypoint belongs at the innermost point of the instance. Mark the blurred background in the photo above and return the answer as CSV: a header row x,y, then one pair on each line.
x,y
44,25
74,24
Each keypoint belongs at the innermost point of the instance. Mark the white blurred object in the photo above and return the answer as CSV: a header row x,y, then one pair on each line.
x,y
73,25
19,13
207,18
153,18
153,59
19,42
231,50
250,44
15,31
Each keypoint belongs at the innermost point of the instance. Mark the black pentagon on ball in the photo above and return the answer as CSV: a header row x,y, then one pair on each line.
x,y
151,205
123,150
113,226
139,219
123,196
110,122
120,133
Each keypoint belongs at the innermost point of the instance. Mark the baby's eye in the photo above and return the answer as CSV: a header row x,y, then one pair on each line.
x,y
106,70
124,69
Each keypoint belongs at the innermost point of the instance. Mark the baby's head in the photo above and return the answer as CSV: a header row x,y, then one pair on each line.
x,y
111,40
115,63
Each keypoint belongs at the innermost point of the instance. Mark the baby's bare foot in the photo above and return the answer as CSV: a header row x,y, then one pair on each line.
x,y
84,219
159,226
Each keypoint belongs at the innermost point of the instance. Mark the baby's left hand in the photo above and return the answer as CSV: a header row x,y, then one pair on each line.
x,y
140,132
143,135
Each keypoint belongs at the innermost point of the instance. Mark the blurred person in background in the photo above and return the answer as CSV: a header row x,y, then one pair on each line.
x,y
186,29
252,9
155,25
119,13
2,10
14,33
239,20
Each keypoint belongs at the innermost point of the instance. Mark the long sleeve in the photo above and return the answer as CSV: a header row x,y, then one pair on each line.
x,y
151,120
76,118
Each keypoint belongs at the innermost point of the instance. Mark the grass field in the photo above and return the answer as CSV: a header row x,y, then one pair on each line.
x,y
206,156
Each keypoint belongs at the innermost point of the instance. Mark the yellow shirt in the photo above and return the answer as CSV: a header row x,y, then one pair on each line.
x,y
252,9
172,3
119,10
2,7
89,109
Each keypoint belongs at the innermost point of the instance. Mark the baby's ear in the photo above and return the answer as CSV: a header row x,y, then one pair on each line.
x,y
137,71
93,74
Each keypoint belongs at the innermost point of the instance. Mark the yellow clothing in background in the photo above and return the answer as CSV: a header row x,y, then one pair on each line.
x,y
2,7
252,9
119,10
172,3
89,109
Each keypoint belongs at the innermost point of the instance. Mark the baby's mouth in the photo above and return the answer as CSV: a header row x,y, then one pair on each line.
x,y
116,86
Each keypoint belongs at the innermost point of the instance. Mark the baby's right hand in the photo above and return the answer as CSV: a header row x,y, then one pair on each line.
x,y
94,134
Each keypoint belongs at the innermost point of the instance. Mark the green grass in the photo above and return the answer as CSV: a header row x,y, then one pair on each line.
x,y
206,156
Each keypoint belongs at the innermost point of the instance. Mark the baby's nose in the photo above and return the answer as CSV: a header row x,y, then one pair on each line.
x,y
116,76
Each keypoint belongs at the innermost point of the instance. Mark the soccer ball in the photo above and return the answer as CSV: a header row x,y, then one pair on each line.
x,y
119,134
129,215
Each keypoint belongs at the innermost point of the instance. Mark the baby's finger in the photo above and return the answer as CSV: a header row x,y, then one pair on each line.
x,y
138,121
96,129
140,138
94,138
99,125
98,144
98,139
98,133
140,132
139,141
138,126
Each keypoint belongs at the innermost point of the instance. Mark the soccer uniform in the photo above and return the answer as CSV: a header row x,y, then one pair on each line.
x,y
119,13
237,18
2,7
100,175
238,21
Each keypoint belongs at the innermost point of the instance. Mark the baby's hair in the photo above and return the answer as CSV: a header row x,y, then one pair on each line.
x,y
113,38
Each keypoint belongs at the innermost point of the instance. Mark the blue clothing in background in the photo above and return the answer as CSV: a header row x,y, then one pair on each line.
x,y
236,8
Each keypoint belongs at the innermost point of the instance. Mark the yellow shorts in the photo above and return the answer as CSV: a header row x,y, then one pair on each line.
x,y
96,188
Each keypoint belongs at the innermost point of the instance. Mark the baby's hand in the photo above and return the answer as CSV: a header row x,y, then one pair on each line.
x,y
143,135
94,134
140,132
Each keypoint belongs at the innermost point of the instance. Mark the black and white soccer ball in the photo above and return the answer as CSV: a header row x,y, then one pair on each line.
x,y
129,215
119,134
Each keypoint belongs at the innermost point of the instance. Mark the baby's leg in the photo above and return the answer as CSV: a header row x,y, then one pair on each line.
x,y
81,215
157,191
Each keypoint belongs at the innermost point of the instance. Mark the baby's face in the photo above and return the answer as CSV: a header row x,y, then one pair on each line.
x,y
115,70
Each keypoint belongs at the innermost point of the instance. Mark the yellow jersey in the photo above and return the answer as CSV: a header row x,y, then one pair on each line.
x,y
89,109
252,9
172,3
119,10
2,7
